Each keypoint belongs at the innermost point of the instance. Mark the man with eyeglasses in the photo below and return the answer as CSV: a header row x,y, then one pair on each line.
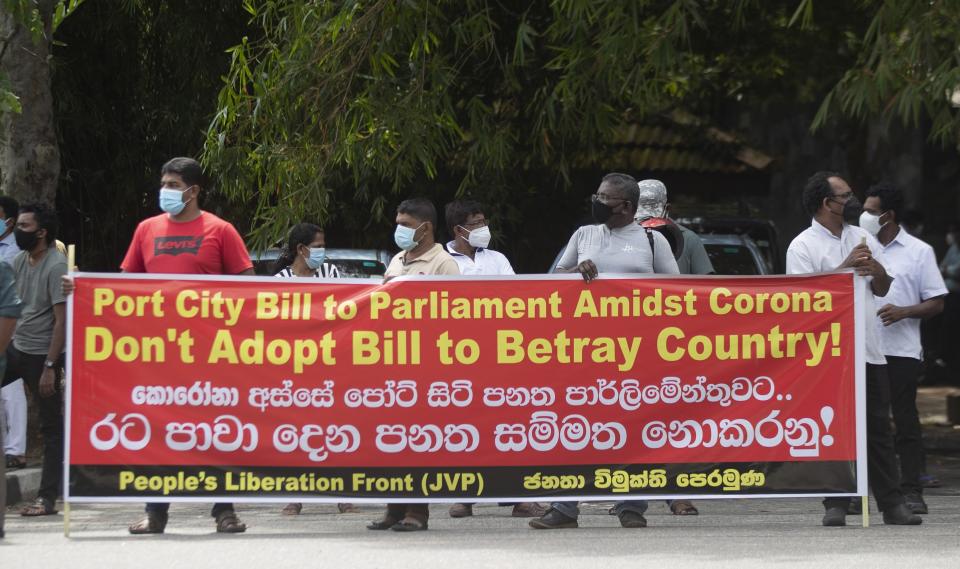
x,y
831,244
469,228
616,245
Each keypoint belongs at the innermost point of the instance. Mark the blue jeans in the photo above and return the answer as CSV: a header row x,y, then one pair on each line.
x,y
572,509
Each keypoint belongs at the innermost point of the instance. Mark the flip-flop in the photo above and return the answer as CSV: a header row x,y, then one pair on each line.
x,y
40,507
15,462
409,524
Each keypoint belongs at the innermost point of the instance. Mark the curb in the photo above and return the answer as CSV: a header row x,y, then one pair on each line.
x,y
22,485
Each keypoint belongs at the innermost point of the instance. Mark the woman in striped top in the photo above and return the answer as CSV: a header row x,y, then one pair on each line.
x,y
305,256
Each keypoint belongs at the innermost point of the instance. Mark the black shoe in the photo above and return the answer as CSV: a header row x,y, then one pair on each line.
x,y
900,515
916,504
855,508
553,519
835,517
630,519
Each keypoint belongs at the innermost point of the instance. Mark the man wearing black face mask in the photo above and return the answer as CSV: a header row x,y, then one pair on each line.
x,y
616,245
36,353
830,244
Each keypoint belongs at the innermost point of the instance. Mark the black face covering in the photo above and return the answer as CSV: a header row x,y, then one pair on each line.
x,y
26,240
852,210
601,211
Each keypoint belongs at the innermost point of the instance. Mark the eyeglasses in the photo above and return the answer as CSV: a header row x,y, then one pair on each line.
x,y
478,223
605,199
842,197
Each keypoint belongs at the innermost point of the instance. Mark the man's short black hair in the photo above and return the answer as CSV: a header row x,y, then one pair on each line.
x,y
10,206
420,209
46,219
189,170
458,211
816,190
891,198
626,185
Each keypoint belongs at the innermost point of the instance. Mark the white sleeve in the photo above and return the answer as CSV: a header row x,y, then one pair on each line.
x,y
931,281
571,255
798,259
504,268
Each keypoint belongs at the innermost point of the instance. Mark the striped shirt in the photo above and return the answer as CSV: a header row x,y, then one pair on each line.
x,y
326,271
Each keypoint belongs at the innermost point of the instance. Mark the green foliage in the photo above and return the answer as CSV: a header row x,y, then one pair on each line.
x,y
907,68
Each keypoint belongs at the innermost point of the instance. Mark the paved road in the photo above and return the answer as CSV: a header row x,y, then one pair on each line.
x,y
729,533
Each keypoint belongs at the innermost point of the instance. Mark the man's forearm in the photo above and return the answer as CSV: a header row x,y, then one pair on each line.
x,y
881,284
926,309
59,339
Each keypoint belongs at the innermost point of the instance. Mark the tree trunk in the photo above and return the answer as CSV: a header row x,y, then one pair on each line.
x,y
29,154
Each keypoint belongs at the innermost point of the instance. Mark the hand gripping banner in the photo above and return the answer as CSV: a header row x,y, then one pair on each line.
x,y
452,389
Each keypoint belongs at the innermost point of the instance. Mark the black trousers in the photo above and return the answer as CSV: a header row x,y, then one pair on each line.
x,y
904,379
30,368
881,457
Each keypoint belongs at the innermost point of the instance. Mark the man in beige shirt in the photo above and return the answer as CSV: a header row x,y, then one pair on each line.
x,y
420,255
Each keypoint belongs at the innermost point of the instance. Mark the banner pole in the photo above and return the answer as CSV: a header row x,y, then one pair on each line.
x,y
865,505
71,263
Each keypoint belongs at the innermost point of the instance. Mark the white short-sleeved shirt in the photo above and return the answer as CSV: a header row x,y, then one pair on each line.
x,y
917,278
622,250
484,262
8,248
817,250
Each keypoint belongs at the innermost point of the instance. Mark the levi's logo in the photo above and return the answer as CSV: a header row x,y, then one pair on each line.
x,y
176,245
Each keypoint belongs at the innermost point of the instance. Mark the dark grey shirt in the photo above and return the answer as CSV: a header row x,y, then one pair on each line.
x,y
40,289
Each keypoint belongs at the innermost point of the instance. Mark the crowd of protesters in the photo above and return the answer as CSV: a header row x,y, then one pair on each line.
x,y
633,233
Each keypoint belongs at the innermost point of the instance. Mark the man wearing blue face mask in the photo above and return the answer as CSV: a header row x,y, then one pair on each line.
x,y
419,255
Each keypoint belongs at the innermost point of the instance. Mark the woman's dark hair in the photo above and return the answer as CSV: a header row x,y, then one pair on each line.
x,y
300,234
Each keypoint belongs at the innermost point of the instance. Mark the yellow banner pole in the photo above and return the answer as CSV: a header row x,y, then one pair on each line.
x,y
865,504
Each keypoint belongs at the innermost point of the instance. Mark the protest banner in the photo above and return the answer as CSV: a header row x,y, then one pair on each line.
x,y
450,389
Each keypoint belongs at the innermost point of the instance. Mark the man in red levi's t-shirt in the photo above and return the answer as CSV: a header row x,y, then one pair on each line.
x,y
186,240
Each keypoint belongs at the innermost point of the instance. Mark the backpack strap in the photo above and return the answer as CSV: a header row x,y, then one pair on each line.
x,y
653,250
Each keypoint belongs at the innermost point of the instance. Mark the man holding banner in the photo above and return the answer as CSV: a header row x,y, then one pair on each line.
x,y
186,240
831,244
420,255
616,245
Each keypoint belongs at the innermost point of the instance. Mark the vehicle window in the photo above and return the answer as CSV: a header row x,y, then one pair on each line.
x,y
732,260
358,269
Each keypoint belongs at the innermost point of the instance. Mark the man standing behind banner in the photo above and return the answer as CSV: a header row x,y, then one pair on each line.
x,y
419,255
184,240
467,224
616,245
12,393
830,244
9,312
916,294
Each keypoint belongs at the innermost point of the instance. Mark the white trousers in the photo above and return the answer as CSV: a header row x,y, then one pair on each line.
x,y
15,412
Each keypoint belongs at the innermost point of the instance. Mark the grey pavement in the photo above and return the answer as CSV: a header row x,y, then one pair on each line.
x,y
736,533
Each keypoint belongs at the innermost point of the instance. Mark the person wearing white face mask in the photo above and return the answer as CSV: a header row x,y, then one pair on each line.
x,y
468,225
916,294
471,236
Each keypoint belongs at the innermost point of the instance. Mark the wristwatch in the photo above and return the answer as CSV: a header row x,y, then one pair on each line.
x,y
49,364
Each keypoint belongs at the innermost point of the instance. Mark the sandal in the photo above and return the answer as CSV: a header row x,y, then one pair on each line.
x,y
383,523
39,507
228,522
410,524
15,462
347,508
683,508
153,522
292,509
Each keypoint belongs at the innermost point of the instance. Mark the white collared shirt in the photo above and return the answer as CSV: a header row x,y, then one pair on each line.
x,y
817,250
484,262
8,248
913,265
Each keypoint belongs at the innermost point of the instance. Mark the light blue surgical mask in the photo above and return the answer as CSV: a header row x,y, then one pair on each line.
x,y
316,258
403,237
171,200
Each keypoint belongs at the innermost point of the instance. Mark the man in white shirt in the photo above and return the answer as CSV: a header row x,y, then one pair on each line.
x,y
916,294
830,244
12,394
468,225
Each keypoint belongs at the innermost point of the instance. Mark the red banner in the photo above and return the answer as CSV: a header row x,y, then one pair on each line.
x,y
248,388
